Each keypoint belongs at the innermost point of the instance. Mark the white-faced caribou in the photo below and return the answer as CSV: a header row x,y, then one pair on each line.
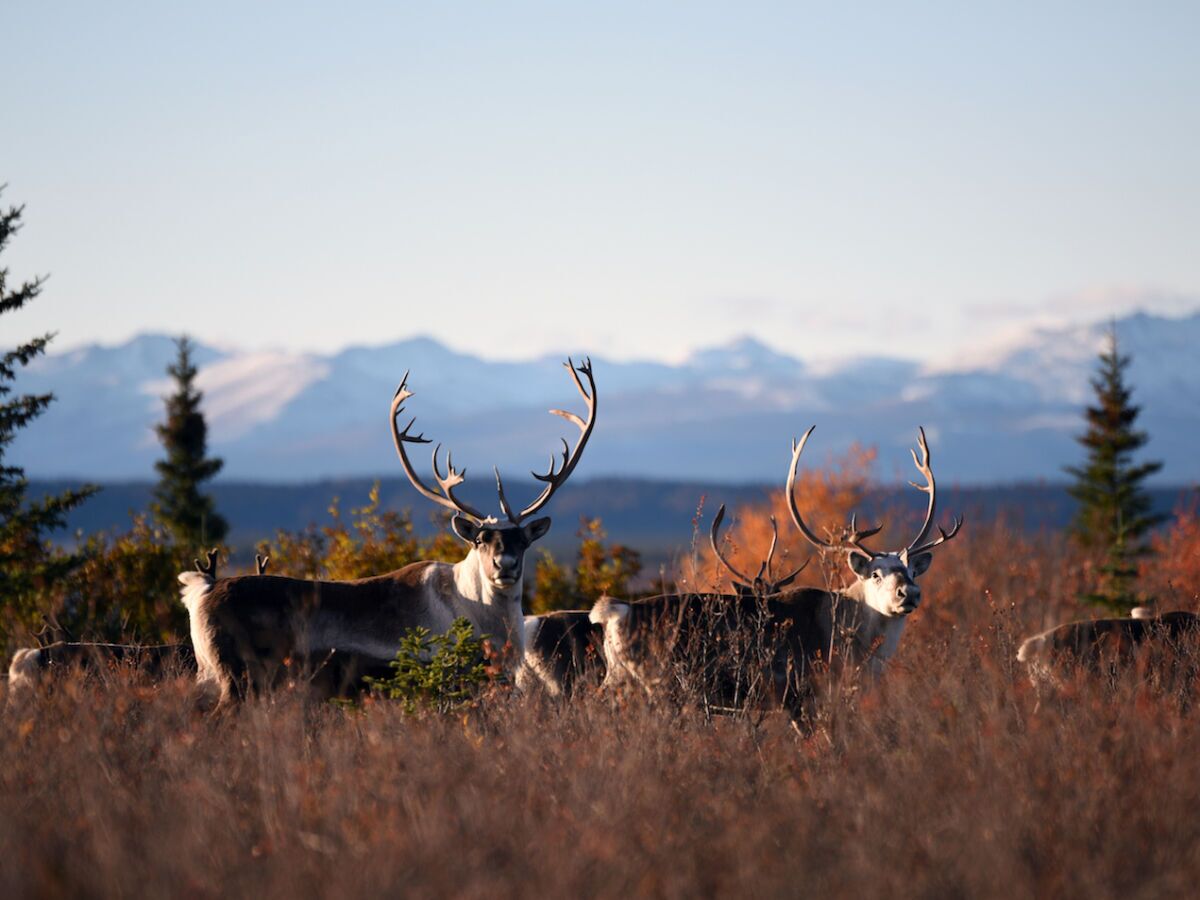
x,y
243,629
788,630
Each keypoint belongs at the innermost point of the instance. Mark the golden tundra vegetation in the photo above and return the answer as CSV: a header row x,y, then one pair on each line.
x,y
953,776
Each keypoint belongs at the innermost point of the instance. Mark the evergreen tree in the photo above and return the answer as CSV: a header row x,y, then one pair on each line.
x,y
28,562
1115,512
189,514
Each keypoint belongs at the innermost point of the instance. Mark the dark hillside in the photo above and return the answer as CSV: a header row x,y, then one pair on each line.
x,y
652,516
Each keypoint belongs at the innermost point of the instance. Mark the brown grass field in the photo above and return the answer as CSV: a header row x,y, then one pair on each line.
x,y
952,777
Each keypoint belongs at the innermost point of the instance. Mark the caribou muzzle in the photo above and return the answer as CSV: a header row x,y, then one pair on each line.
x,y
507,571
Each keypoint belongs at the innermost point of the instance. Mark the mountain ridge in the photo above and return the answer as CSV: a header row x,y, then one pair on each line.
x,y
725,413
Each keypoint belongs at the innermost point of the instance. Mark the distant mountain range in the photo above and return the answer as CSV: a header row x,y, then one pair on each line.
x,y
725,415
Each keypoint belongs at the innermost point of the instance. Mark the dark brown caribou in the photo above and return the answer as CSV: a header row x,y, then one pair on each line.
x,y
565,648
1092,642
787,631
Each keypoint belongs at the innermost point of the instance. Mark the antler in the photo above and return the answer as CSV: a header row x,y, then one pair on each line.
x,y
773,587
854,537
260,564
759,584
943,536
211,568
716,548
852,541
930,488
555,477
447,483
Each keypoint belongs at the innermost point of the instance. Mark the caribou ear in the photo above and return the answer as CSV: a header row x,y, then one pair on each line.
x,y
919,563
465,528
537,529
860,563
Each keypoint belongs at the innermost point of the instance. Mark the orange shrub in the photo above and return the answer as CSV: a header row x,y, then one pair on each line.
x,y
825,496
1171,572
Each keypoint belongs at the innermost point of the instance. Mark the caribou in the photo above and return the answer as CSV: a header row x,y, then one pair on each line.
x,y
563,648
1091,642
244,628
31,666
322,675
794,628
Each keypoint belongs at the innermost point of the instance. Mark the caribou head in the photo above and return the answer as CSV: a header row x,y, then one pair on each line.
x,y
497,555
885,581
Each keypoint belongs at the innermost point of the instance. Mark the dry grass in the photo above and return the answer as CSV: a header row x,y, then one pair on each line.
x,y
952,777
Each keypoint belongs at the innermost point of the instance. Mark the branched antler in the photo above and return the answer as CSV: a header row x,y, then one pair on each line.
x,y
943,536
447,483
762,584
260,564
855,537
557,474
553,478
929,487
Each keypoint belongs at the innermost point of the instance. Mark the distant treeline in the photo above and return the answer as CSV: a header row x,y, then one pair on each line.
x,y
653,516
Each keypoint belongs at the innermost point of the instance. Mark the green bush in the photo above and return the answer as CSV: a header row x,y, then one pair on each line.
x,y
436,672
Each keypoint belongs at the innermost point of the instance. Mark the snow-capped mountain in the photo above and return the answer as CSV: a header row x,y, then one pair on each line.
x,y
724,414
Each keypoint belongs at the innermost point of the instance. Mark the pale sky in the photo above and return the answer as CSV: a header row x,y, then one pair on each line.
x,y
633,179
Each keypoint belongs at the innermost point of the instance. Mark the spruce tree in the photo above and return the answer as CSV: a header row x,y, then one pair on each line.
x,y
28,562
188,514
1114,514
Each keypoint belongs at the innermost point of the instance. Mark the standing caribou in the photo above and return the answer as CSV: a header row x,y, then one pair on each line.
x,y
862,625
243,629
566,646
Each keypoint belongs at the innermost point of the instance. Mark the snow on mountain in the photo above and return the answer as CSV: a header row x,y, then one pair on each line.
x,y
1058,362
725,414
242,392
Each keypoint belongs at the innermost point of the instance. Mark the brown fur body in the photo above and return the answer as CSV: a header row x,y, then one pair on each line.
x,y
732,643
329,674
1094,640
245,629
